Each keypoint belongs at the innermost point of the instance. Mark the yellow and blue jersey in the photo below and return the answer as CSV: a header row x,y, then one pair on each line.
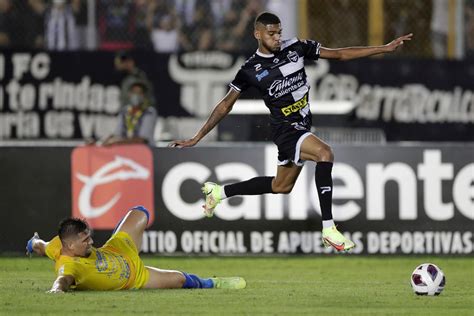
x,y
114,266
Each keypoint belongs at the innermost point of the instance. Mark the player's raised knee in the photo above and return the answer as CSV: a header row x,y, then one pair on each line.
x,y
139,209
326,154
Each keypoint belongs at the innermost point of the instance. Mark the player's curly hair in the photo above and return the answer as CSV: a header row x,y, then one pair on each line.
x,y
266,18
71,226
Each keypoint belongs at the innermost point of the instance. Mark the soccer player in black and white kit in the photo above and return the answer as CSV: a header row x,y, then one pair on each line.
x,y
277,71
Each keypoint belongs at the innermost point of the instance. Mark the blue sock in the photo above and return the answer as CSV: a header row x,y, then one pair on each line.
x,y
195,282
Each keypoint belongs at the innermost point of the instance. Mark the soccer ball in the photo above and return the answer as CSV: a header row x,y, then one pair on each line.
x,y
428,279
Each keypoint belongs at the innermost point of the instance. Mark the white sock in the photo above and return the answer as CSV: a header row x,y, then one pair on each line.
x,y
328,223
223,196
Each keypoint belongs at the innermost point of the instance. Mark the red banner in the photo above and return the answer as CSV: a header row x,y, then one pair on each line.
x,y
108,181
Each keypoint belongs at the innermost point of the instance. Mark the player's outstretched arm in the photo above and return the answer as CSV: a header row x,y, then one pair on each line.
x,y
220,111
348,53
62,284
37,245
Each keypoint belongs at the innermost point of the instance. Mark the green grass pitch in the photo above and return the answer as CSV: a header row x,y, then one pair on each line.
x,y
333,285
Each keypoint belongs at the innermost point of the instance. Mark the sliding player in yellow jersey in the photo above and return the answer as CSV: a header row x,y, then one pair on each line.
x,y
116,265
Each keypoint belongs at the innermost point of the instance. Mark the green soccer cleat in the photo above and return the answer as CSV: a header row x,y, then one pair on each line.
x,y
213,197
233,283
333,238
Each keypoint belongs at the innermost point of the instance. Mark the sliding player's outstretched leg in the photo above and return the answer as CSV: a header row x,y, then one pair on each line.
x,y
316,150
172,279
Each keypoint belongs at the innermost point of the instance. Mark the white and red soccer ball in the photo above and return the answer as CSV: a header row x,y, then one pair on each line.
x,y
428,279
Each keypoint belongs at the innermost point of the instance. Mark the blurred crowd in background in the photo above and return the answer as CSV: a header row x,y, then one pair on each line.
x,y
226,25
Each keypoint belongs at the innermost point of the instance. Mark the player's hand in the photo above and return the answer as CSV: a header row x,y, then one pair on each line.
x,y
29,244
183,143
393,45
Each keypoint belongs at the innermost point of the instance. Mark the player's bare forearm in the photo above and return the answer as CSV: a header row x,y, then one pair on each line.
x,y
62,284
349,53
36,245
220,111
39,246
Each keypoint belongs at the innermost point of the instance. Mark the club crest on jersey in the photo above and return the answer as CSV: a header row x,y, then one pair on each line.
x,y
262,75
293,56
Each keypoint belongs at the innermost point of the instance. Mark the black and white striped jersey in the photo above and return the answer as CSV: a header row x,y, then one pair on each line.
x,y
281,80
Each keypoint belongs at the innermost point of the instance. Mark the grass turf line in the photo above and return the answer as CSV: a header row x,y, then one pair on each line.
x,y
341,285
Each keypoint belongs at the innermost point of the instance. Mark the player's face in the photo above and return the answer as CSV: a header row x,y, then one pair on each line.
x,y
82,245
269,37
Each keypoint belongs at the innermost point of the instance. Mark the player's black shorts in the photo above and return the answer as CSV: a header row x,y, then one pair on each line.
x,y
288,139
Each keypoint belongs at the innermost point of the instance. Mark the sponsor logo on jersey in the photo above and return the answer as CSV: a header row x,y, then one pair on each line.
x,y
295,107
107,182
262,75
280,87
325,189
293,56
